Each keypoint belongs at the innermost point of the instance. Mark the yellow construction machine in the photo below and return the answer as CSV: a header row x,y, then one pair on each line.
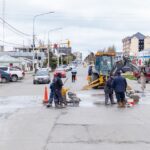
x,y
105,65
104,62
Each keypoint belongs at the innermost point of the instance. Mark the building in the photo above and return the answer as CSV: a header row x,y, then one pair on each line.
x,y
143,57
135,43
65,50
147,42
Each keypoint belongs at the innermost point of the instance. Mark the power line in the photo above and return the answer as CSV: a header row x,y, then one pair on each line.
x,y
25,34
11,43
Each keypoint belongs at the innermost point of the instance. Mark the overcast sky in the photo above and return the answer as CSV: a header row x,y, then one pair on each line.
x,y
89,24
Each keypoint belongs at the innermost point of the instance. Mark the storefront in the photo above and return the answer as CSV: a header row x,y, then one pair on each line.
x,y
143,57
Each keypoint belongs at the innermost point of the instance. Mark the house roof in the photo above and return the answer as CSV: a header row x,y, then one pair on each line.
x,y
138,35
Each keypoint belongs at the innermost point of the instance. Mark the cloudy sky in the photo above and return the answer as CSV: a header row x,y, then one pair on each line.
x,y
89,24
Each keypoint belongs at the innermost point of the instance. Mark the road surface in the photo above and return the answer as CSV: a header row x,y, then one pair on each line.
x,y
26,124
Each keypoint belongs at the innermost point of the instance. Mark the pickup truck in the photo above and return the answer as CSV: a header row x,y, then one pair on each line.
x,y
16,74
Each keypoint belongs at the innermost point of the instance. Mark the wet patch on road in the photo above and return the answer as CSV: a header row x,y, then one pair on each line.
x,y
91,98
96,98
9,105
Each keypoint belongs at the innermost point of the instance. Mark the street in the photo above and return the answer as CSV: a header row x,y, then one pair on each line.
x,y
26,124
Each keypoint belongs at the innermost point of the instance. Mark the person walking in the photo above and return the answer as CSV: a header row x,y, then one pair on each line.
x,y
58,84
108,89
74,73
143,79
119,85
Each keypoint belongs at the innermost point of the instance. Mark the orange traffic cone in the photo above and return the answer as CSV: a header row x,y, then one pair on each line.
x,y
45,100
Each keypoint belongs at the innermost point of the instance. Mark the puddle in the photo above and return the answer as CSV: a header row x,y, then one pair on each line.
x,y
88,99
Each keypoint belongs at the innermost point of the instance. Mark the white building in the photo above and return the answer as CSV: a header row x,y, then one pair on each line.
x,y
135,43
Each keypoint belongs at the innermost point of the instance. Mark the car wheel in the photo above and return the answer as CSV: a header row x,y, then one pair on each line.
x,y
4,80
14,78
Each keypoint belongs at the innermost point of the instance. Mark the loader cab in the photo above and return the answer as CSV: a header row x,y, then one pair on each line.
x,y
104,64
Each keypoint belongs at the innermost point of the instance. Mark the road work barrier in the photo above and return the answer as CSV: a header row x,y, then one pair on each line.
x,y
45,99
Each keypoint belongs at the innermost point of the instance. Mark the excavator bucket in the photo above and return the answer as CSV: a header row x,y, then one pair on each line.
x,y
92,85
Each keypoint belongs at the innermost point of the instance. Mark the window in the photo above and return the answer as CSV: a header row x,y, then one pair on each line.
x,y
4,68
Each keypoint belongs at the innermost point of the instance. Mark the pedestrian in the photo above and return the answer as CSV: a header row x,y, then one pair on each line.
x,y
90,71
58,84
74,73
52,94
119,85
143,79
108,89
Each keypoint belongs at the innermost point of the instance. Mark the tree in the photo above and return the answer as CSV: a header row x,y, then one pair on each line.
x,y
111,49
53,63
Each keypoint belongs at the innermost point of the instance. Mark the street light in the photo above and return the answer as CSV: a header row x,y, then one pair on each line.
x,y
52,30
34,18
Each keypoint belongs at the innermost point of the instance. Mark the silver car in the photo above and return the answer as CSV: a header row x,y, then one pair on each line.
x,y
41,76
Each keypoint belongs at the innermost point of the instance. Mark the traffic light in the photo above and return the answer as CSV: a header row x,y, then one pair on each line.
x,y
68,43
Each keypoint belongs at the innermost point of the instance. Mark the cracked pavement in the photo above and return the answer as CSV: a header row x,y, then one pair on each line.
x,y
25,123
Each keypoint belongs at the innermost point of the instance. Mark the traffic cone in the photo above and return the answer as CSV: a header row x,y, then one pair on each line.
x,y
45,100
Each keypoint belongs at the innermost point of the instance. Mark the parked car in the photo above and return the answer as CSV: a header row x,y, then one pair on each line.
x,y
5,77
23,72
137,74
61,71
16,74
41,76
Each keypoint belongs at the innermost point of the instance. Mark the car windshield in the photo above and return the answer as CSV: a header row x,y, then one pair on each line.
x,y
60,69
41,73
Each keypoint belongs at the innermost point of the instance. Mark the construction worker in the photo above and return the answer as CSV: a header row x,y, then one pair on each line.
x,y
58,88
108,89
52,94
119,85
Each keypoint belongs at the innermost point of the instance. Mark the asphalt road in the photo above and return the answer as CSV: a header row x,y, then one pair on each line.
x,y
26,124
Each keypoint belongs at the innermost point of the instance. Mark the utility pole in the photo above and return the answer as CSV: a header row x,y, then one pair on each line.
x,y
3,13
48,45
33,36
